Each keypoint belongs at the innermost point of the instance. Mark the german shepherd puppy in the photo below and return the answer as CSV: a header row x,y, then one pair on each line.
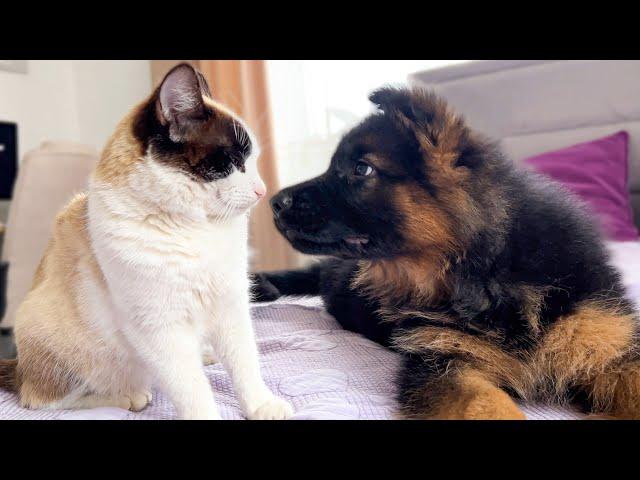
x,y
491,281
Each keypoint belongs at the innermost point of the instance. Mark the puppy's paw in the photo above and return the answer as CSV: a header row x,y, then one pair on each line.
x,y
262,290
273,409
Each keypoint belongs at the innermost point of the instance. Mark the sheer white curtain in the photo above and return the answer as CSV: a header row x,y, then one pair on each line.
x,y
315,101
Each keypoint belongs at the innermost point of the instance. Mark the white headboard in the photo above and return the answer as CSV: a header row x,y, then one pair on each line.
x,y
538,105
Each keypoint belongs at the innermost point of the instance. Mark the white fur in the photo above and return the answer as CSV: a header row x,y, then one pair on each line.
x,y
174,255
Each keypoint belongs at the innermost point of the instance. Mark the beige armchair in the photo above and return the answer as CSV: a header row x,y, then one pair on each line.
x,y
47,178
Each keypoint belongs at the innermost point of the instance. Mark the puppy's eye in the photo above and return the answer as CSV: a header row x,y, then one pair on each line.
x,y
363,169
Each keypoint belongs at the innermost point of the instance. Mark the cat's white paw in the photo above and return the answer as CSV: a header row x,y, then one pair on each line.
x,y
118,401
209,355
139,400
209,359
273,409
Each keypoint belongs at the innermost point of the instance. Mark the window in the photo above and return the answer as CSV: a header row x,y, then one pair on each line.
x,y
316,101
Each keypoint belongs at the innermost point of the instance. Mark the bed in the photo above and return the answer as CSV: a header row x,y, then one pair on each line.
x,y
330,373
323,370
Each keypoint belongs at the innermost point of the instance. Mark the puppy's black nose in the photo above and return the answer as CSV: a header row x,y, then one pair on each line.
x,y
281,202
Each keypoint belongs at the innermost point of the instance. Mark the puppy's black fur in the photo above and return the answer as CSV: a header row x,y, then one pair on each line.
x,y
436,237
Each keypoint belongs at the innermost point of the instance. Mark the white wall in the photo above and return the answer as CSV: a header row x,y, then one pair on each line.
x,y
42,102
78,100
105,91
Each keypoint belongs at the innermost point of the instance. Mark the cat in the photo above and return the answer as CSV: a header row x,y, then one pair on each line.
x,y
146,274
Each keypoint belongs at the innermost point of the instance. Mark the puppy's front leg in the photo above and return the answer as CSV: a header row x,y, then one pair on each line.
x,y
172,353
234,342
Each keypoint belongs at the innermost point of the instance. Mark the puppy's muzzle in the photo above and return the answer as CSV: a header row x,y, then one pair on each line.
x,y
281,202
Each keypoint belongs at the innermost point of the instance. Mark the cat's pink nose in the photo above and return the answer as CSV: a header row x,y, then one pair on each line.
x,y
260,189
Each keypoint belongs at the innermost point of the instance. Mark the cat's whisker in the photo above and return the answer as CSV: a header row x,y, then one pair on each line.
x,y
222,218
235,128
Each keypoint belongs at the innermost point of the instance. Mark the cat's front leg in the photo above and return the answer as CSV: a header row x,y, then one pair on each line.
x,y
209,356
234,342
172,353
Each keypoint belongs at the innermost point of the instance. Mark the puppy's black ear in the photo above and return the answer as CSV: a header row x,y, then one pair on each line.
x,y
400,101
422,114
180,104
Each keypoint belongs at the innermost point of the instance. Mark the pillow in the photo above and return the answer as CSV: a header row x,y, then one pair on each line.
x,y
597,172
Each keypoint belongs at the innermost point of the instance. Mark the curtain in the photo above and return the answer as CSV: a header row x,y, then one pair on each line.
x,y
242,85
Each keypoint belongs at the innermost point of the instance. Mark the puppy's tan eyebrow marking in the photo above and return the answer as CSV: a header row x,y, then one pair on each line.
x,y
381,163
373,159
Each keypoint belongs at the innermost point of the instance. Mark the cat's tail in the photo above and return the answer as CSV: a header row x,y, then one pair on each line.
x,y
8,377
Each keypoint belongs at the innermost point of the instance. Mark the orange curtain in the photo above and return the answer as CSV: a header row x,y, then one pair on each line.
x,y
242,85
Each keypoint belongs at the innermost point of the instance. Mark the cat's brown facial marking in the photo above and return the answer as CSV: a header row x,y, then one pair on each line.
x,y
181,126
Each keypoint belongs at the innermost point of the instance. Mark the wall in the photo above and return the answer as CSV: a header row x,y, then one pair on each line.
x,y
105,91
79,100
42,102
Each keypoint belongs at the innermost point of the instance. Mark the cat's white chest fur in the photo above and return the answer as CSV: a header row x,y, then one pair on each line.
x,y
194,266
208,263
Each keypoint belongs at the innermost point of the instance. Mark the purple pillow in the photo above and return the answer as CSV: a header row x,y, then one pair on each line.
x,y
597,172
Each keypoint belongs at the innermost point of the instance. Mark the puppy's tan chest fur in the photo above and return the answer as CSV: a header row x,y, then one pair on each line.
x,y
405,281
573,352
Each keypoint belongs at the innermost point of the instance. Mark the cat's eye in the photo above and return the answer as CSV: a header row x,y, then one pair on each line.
x,y
363,169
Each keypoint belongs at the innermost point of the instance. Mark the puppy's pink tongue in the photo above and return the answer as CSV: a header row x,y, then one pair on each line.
x,y
356,240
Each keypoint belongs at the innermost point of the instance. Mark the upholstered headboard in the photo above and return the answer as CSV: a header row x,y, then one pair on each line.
x,y
536,105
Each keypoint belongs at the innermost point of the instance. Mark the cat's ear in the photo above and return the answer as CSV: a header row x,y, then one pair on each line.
x,y
180,104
